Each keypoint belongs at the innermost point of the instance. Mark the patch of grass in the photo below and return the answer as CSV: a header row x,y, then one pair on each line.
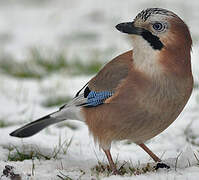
x,y
49,63
101,168
78,67
20,69
79,36
40,65
29,152
55,101
62,147
18,154
124,169
4,124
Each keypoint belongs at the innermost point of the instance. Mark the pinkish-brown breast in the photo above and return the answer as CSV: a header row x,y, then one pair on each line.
x,y
140,109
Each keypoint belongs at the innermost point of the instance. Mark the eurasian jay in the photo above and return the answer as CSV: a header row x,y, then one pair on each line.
x,y
138,94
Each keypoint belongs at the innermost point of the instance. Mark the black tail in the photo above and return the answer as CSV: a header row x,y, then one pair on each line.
x,y
34,127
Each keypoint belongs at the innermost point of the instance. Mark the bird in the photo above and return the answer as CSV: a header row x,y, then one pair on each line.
x,y
139,93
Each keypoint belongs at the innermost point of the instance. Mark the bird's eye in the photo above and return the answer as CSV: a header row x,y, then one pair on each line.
x,y
158,26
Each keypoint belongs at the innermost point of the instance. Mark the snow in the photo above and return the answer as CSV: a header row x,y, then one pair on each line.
x,y
56,24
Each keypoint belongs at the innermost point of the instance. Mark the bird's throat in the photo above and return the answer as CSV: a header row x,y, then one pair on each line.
x,y
145,58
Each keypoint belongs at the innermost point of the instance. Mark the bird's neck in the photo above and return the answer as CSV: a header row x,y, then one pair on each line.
x,y
145,58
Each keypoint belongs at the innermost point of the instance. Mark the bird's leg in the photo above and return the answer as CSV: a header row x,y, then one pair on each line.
x,y
154,157
150,153
110,160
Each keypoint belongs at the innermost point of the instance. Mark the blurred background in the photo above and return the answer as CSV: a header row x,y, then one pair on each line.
x,y
50,49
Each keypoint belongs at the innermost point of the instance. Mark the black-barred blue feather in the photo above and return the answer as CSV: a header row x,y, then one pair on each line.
x,y
97,98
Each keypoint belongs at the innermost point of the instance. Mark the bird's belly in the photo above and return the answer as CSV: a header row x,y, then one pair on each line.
x,y
110,123
144,124
147,128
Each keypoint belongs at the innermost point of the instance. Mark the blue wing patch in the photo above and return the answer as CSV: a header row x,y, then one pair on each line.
x,y
97,98
88,98
93,98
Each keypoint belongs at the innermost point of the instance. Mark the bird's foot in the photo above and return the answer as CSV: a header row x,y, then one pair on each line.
x,y
161,165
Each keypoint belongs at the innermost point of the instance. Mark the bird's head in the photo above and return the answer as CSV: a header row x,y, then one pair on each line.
x,y
155,32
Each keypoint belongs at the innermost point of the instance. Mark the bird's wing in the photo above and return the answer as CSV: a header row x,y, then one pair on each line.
x,y
104,84
94,93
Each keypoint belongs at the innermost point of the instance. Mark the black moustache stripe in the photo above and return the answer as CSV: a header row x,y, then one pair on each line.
x,y
153,40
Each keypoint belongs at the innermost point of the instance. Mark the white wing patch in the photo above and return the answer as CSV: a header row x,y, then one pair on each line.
x,y
71,110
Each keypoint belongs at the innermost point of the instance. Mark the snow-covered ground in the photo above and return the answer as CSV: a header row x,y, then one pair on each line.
x,y
78,28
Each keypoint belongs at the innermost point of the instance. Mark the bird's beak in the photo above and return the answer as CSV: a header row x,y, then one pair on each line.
x,y
129,28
